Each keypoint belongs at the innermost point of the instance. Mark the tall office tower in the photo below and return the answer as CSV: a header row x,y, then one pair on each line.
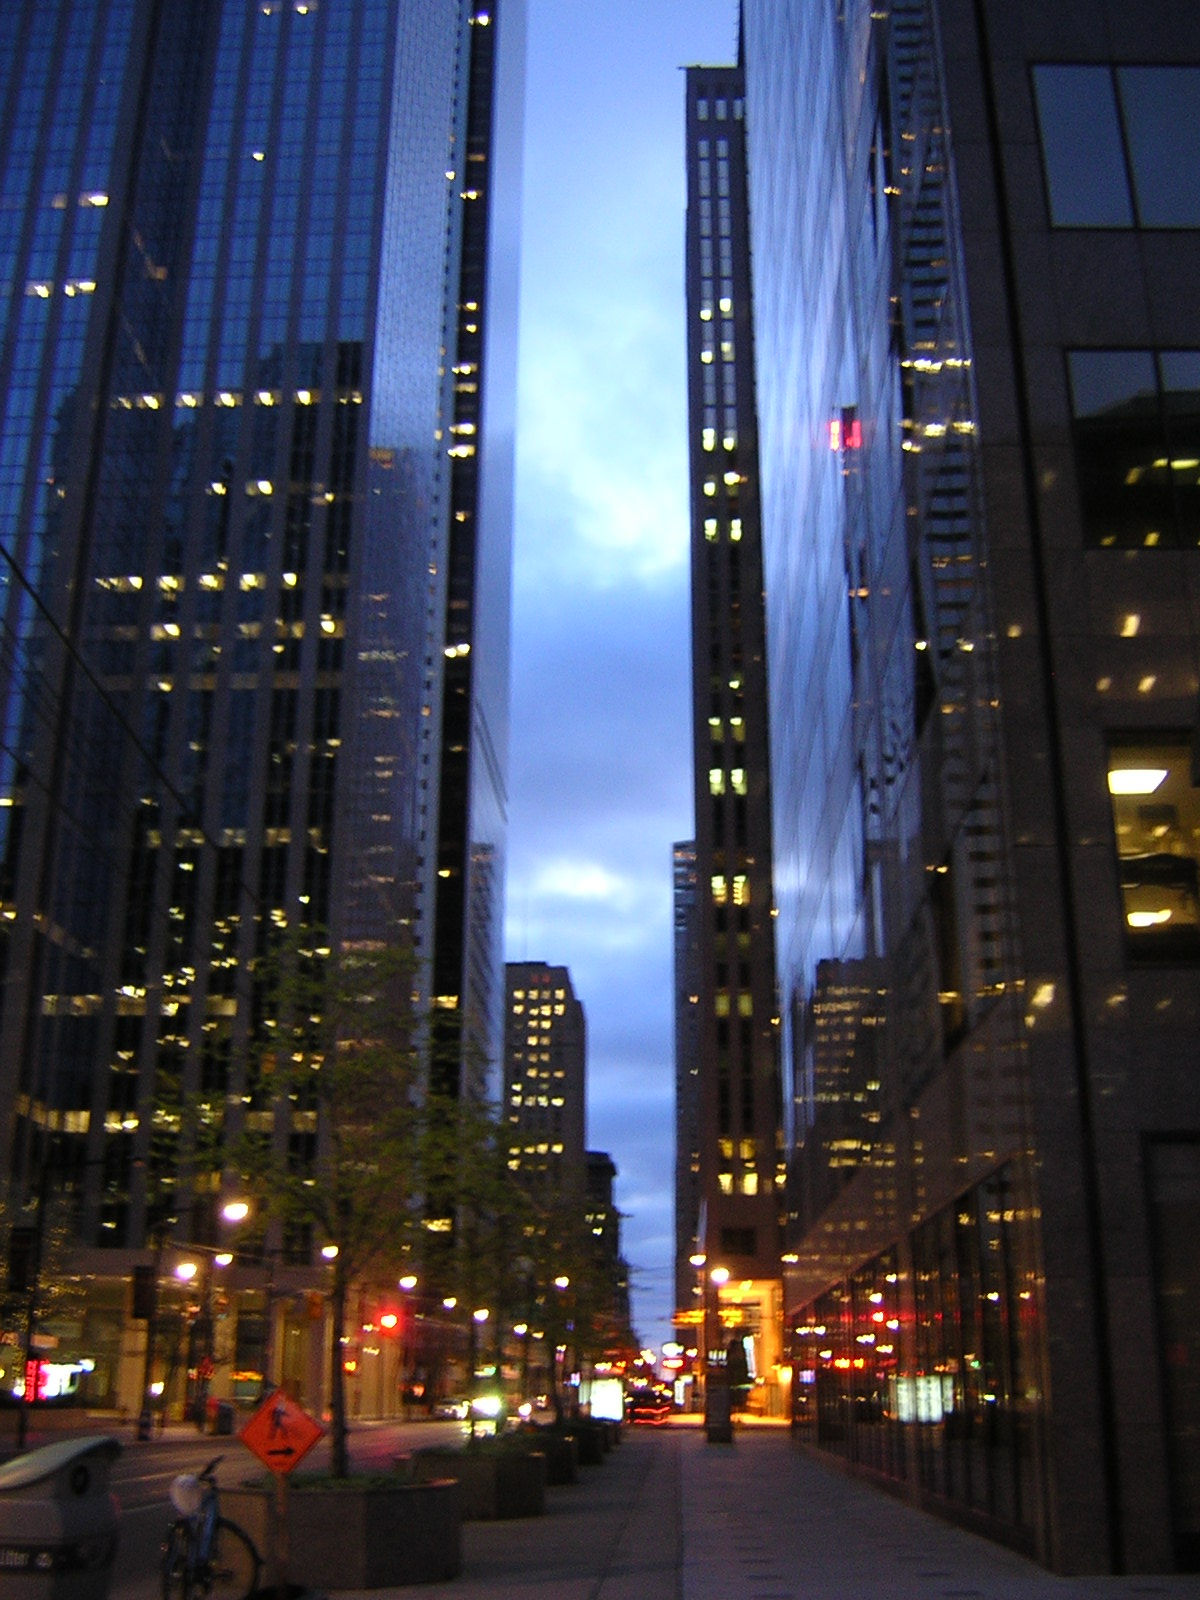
x,y
687,1080
604,1224
979,401
242,247
739,1125
545,1077
471,668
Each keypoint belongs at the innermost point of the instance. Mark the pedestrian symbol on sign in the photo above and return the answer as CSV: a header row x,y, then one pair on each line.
x,y
280,1432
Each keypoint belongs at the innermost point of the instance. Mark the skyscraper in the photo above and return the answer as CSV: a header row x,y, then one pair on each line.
x,y
257,284
979,371
612,1270
738,1131
545,1083
687,1076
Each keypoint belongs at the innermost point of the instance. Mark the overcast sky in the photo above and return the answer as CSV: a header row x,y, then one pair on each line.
x,y
601,743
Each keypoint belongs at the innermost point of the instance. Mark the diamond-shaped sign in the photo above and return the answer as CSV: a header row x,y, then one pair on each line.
x,y
281,1433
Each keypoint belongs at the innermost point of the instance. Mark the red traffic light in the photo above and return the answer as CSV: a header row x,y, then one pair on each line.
x,y
389,1321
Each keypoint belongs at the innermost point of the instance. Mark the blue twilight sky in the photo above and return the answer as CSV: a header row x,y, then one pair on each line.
x,y
601,743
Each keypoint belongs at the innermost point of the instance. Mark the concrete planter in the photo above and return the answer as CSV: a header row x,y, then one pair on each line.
x,y
348,1536
562,1457
592,1440
509,1483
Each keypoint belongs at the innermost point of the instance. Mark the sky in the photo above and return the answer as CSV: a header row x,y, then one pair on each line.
x,y
600,755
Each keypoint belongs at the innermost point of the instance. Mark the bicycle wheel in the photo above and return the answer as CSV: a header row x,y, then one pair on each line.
x,y
233,1565
176,1575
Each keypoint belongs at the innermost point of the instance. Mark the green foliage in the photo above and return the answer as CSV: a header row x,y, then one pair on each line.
x,y
331,1144
59,1292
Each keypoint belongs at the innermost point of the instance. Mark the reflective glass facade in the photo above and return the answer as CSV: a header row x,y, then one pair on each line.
x,y
975,406
233,248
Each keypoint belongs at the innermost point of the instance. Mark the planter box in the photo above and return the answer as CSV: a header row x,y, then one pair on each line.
x,y
351,1537
562,1457
507,1484
593,1442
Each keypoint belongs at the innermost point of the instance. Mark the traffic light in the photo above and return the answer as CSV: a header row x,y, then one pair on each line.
x,y
143,1292
389,1321
22,1258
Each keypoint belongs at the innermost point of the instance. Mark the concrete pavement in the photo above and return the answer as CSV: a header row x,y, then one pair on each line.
x,y
670,1517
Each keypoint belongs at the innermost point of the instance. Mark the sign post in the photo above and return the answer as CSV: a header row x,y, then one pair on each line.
x,y
280,1433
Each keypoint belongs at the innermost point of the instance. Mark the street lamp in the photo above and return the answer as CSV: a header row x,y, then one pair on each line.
x,y
717,1397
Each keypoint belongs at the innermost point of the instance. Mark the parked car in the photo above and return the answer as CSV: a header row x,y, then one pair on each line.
x,y
454,1407
648,1405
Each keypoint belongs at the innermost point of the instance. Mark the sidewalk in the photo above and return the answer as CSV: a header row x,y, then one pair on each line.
x,y
671,1517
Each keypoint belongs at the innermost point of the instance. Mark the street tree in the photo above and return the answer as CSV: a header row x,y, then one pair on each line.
x,y
332,1142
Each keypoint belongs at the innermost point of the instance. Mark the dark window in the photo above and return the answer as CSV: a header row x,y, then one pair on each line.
x,y
1137,445
1173,1179
1081,146
1121,145
1161,109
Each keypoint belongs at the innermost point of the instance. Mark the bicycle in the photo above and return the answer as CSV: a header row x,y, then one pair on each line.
x,y
204,1553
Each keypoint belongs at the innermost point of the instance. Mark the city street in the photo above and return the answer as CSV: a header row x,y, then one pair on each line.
x,y
670,1517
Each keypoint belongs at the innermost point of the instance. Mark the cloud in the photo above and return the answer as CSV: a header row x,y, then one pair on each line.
x,y
600,763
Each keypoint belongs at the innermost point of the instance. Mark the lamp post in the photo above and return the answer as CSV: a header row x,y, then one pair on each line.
x,y
407,1284
235,1212
718,1416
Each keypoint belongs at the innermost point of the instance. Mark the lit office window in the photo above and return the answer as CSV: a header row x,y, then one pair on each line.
x,y
1156,820
1137,445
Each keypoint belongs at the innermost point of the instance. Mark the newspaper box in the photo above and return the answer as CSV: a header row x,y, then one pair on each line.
x,y
58,1522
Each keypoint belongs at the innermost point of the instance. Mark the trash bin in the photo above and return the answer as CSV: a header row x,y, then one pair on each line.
x,y
223,1420
58,1522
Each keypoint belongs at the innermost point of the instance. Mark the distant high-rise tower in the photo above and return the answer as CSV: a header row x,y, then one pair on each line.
x,y
545,1064
739,1124
258,300
604,1225
687,1076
